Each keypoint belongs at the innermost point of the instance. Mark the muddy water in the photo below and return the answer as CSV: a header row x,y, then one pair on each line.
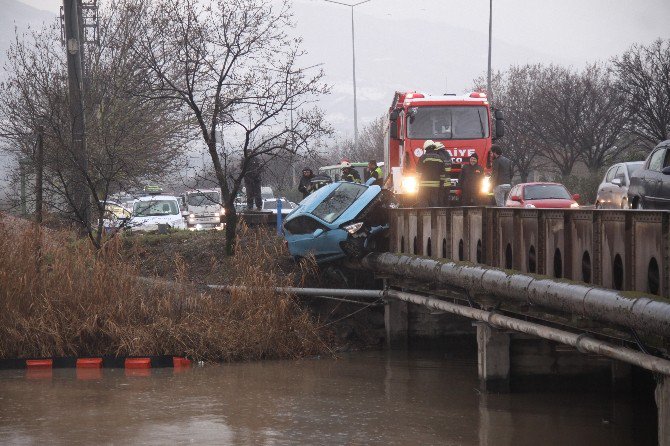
x,y
361,398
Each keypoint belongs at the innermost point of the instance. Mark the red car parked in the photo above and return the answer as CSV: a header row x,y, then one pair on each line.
x,y
541,195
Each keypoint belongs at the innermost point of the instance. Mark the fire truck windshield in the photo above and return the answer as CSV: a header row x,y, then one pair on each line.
x,y
448,122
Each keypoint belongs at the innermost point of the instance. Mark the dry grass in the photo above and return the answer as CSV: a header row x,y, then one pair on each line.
x,y
78,302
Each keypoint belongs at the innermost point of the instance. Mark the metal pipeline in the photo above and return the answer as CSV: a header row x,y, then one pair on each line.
x,y
581,342
642,313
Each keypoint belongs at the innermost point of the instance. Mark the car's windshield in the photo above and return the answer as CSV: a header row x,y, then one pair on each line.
x,y
203,198
632,167
155,208
546,191
338,201
272,204
448,122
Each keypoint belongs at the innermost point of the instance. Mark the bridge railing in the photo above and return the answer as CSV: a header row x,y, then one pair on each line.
x,y
622,250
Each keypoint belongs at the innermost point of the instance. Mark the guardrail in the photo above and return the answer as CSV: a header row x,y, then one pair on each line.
x,y
622,250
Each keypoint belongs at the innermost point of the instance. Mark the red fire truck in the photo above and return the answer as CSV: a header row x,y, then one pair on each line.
x,y
462,123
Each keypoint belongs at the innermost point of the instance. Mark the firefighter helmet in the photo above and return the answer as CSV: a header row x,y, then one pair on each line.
x,y
428,143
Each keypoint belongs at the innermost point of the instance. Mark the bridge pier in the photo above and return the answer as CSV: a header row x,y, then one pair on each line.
x,y
663,405
395,322
493,359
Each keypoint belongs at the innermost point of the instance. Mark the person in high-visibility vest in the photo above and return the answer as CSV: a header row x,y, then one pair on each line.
x,y
445,185
430,168
375,172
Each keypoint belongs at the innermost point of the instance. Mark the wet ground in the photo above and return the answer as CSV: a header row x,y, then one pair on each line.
x,y
363,398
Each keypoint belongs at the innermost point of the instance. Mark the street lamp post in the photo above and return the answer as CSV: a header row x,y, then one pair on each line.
x,y
353,64
489,93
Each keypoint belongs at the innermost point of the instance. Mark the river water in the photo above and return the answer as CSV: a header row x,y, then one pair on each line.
x,y
364,398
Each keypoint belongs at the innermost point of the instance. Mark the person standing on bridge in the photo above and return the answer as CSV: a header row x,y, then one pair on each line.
x,y
374,171
430,168
501,175
306,181
445,178
470,180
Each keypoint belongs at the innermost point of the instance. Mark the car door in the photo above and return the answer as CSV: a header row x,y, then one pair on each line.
x,y
651,182
305,235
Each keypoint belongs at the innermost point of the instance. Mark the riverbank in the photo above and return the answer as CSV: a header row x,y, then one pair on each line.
x,y
59,297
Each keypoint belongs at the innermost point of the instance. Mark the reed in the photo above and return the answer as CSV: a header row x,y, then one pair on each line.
x,y
61,297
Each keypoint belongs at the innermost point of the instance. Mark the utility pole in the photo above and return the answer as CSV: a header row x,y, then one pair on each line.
x,y
353,61
74,39
489,93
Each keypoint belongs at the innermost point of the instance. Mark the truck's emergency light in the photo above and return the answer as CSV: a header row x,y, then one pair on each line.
x,y
478,94
414,96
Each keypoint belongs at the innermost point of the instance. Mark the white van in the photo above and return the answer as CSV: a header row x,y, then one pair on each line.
x,y
204,209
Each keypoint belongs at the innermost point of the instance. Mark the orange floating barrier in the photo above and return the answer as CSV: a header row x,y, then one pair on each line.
x,y
178,361
89,363
138,363
39,363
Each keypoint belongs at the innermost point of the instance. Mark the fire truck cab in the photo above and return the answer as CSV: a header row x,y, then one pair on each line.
x,y
462,123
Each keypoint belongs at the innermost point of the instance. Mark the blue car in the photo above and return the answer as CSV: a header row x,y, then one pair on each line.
x,y
337,221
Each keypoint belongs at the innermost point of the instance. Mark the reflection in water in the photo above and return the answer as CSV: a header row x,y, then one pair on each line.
x,y
362,398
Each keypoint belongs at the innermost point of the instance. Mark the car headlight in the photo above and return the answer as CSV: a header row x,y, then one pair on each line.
x,y
353,228
574,205
409,185
486,185
529,206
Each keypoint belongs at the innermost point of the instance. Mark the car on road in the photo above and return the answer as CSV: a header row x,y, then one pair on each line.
x,y
270,204
613,190
153,210
339,220
541,195
650,185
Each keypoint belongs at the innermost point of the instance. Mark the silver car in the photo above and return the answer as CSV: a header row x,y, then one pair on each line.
x,y
613,190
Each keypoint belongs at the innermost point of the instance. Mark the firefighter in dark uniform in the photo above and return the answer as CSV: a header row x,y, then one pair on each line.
x,y
375,172
445,178
349,173
430,168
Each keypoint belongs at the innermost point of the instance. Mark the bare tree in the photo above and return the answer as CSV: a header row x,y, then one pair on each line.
x,y
601,133
644,76
129,138
370,143
234,68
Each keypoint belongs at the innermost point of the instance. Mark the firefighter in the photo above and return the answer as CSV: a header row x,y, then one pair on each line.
x,y
305,181
349,173
375,172
252,183
430,168
445,178
470,180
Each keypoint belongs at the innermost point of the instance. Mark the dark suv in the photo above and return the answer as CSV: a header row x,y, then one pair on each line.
x,y
650,185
